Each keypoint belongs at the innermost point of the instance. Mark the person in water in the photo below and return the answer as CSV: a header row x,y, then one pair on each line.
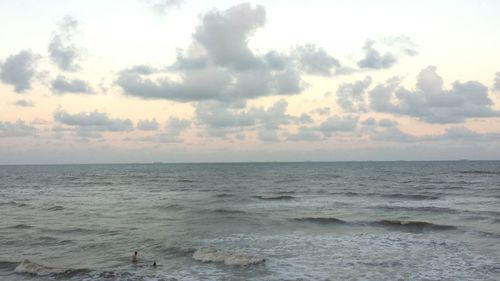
x,y
154,264
134,257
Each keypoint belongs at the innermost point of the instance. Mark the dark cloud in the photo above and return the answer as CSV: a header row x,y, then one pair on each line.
x,y
430,102
24,103
163,6
16,129
18,70
315,60
88,124
147,125
63,85
351,96
496,83
62,51
374,59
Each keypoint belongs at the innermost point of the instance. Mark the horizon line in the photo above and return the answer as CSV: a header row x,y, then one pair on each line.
x,y
243,162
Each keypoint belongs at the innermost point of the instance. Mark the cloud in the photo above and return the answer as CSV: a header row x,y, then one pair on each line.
x,y
322,111
218,120
147,125
213,83
62,85
386,130
430,102
306,134
87,124
225,35
315,60
24,103
163,6
351,96
16,129
18,70
277,61
496,83
374,59
171,134
336,124
62,51
405,44
219,65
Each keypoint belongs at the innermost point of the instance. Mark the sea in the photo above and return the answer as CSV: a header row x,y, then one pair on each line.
x,y
251,221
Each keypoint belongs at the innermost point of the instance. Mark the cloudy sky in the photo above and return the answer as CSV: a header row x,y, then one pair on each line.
x,y
208,81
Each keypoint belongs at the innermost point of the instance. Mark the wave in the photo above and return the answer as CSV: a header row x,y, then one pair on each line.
x,y
29,267
410,196
55,208
185,180
8,265
481,172
13,203
212,254
321,220
279,197
223,195
227,211
21,226
170,207
412,226
431,209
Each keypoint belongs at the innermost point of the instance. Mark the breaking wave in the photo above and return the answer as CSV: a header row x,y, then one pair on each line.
x,y
29,267
212,254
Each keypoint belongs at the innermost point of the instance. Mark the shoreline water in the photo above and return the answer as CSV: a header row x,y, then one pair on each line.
x,y
308,221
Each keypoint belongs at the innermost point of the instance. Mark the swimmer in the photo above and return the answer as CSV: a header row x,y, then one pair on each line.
x,y
134,257
154,264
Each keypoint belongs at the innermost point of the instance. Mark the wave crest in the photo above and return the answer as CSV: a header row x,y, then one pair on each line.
x,y
29,267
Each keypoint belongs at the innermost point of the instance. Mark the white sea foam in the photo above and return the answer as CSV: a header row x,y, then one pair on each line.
x,y
30,267
212,254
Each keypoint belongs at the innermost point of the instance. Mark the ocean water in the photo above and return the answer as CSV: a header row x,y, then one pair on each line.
x,y
251,221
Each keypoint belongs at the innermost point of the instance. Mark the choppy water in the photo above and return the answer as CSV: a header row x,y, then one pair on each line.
x,y
249,221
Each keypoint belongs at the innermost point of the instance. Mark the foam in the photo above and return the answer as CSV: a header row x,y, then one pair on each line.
x,y
212,254
32,268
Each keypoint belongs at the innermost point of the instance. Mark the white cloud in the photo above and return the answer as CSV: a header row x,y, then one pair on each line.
x,y
430,102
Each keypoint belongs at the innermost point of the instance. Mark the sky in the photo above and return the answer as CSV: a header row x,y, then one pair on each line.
x,y
136,81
